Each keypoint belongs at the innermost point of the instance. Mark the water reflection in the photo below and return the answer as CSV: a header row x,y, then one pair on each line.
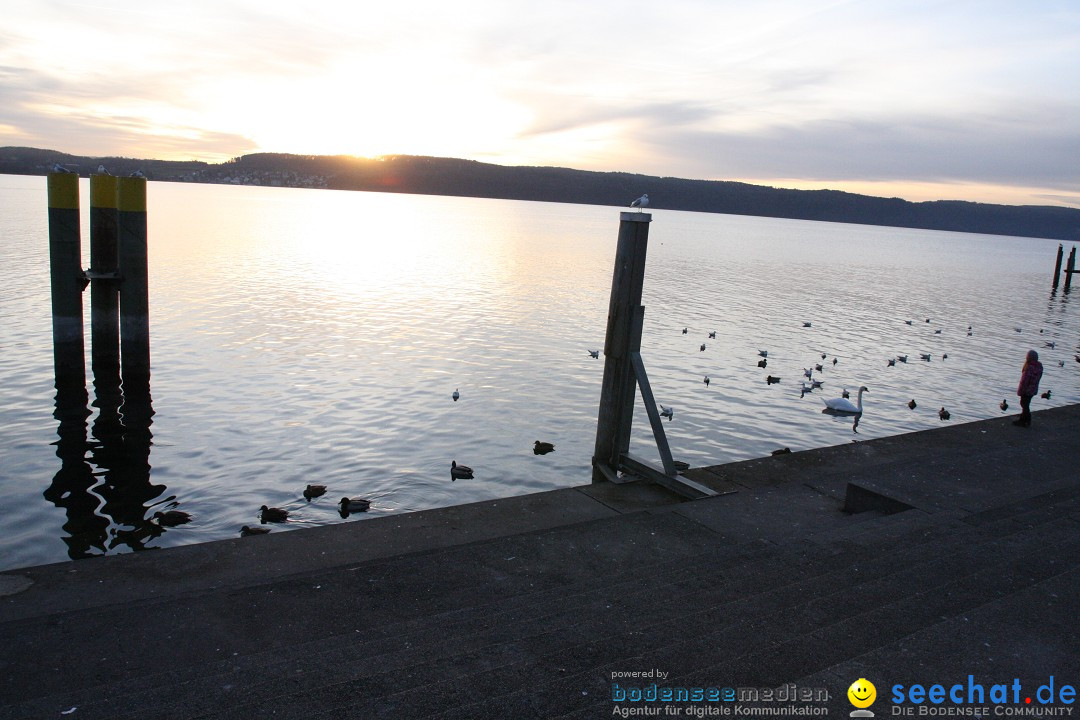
x,y
104,482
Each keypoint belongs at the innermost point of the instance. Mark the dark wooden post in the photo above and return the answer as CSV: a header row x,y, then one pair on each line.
x,y
134,288
67,280
623,336
1070,268
104,305
1057,265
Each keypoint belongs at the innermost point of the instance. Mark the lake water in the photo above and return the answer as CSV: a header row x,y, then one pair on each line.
x,y
316,336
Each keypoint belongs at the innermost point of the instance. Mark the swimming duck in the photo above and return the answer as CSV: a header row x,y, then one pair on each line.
x,y
925,356
314,491
455,395
272,514
907,322
1004,405
943,414
771,379
246,531
172,518
702,347
902,358
763,363
1045,395
712,335
782,451
911,404
543,448
463,472
892,362
818,367
684,330
845,394
354,504
806,324
706,381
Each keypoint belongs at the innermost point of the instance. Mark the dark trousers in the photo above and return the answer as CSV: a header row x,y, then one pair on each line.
x,y
1025,409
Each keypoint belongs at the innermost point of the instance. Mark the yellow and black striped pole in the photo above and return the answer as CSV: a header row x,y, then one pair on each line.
x,y
134,289
104,304
67,280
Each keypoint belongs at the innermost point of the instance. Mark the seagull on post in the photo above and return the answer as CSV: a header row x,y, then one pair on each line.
x,y
640,202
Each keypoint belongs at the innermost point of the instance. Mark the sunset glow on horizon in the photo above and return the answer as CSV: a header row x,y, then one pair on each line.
x,y
928,100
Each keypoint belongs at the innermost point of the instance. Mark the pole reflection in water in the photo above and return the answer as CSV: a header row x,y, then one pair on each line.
x,y
104,484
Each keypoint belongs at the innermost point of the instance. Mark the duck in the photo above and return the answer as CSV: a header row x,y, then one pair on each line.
x,y
943,414
843,405
818,367
937,332
763,363
667,412
455,395
172,518
356,504
706,381
542,448
684,330
782,451
845,394
314,491
902,358
912,404
1004,405
907,322
247,530
944,356
891,362
462,472
771,379
1045,395
806,324
273,514
712,335
702,347
924,356
834,361
823,356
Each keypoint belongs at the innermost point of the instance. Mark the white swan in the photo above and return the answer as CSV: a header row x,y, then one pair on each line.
x,y
844,405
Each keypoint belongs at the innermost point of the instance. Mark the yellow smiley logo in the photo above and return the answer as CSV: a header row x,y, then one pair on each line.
x,y
862,693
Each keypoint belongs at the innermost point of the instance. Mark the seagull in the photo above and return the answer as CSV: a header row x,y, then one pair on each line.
x,y
1050,344
455,395
808,372
1004,405
815,384
771,379
943,414
925,356
57,167
806,324
101,170
667,412
763,353
1061,363
594,354
460,471
712,335
640,202
907,322
902,358
892,362
138,174
911,404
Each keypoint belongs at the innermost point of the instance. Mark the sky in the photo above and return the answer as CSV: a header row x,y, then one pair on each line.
x,y
921,99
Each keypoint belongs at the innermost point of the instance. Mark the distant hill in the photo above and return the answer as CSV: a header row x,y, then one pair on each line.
x,y
468,178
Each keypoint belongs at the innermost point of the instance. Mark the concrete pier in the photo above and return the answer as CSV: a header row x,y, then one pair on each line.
x,y
960,557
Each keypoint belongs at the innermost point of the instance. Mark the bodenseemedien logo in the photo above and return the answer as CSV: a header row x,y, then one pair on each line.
x,y
862,694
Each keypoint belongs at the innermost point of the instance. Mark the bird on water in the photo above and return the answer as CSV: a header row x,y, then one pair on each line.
x,y
356,504
314,491
172,518
542,448
272,514
641,202
667,412
247,530
460,472
455,395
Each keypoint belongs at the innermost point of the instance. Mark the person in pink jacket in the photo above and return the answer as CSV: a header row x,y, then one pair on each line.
x,y
1029,387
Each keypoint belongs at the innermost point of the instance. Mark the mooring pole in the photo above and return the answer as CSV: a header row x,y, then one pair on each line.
x,y
1070,268
623,335
103,274
67,280
134,288
1057,265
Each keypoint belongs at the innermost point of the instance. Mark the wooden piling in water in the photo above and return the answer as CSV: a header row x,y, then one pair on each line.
x,y
134,289
104,278
1070,268
623,336
67,280
1057,265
